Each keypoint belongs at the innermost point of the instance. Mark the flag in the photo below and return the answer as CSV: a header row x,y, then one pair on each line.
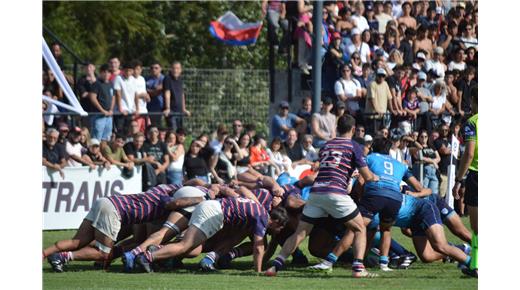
x,y
451,169
232,31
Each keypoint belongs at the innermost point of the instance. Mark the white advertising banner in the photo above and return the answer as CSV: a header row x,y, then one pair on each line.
x,y
66,201
455,144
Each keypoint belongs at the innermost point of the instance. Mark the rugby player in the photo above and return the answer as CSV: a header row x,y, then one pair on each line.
x,y
337,160
211,216
99,230
469,163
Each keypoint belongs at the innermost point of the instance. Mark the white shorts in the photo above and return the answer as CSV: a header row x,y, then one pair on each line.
x,y
105,218
339,206
208,217
188,191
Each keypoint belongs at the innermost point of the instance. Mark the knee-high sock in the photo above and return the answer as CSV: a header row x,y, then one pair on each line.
x,y
474,252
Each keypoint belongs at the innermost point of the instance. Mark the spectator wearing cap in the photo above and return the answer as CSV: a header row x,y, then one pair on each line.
x,y
407,18
141,97
332,63
114,153
174,96
422,42
158,150
53,153
395,152
436,64
379,101
323,124
381,16
101,96
406,46
282,122
75,150
420,61
125,89
84,84
94,154
358,45
458,62
425,98
339,109
154,88
220,137
349,90
367,144
406,140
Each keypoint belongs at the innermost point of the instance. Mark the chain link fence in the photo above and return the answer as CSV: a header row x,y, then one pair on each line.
x,y
216,96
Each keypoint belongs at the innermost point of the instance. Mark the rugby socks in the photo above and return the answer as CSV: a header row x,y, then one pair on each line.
x,y
278,263
235,253
212,256
330,259
357,266
383,260
66,256
474,252
136,251
298,253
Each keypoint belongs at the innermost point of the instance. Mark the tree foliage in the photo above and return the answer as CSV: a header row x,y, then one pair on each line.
x,y
162,31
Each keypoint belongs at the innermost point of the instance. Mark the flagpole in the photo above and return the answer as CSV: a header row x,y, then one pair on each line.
x,y
317,19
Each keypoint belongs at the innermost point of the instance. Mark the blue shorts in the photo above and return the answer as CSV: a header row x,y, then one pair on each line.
x,y
426,216
386,207
444,209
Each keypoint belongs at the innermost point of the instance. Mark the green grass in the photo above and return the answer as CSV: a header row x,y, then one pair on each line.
x,y
82,275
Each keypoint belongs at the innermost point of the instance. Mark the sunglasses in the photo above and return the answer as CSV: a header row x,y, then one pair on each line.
x,y
237,125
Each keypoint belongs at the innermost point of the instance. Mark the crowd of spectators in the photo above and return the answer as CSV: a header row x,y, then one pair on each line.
x,y
405,70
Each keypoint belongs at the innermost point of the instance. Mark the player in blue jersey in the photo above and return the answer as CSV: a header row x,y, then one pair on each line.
x,y
211,216
106,218
338,158
424,220
384,196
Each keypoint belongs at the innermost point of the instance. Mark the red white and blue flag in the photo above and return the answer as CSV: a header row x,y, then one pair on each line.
x,y
232,31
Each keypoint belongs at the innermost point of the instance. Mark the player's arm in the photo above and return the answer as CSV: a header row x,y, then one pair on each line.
x,y
467,157
194,182
183,202
258,252
228,192
271,248
420,190
245,192
367,174
293,203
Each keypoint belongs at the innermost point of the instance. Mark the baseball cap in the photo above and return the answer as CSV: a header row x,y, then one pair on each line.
x,y
381,71
421,75
438,50
94,142
421,55
355,31
336,35
327,101
284,104
380,52
368,138
340,104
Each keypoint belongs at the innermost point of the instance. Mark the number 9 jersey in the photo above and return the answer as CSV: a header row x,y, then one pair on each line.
x,y
391,172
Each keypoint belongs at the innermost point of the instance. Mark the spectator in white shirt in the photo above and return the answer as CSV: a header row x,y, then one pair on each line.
x,y
359,20
436,64
141,97
349,90
358,45
124,85
75,151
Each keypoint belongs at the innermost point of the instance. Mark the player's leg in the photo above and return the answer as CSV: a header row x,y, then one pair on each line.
x,y
435,234
388,215
83,237
321,242
100,251
221,243
455,225
424,249
471,201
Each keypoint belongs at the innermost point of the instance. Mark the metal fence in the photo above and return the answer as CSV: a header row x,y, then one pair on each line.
x,y
216,96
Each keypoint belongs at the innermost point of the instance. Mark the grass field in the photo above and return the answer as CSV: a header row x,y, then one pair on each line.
x,y
82,275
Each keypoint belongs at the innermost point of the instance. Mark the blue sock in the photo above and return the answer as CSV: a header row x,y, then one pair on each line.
x,y
383,260
298,253
397,248
468,261
278,263
331,258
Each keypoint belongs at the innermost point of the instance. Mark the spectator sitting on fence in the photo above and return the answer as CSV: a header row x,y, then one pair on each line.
x,y
115,154
309,152
218,142
176,153
94,154
277,154
237,130
141,97
53,153
75,151
260,160
323,124
102,100
294,149
154,88
155,148
284,121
